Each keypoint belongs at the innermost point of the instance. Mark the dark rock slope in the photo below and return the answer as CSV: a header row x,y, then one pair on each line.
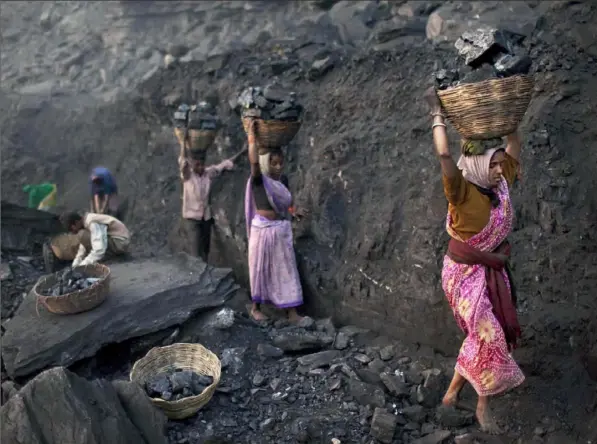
x,y
370,252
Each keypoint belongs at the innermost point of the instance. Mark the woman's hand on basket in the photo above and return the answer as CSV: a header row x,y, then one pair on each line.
x,y
430,96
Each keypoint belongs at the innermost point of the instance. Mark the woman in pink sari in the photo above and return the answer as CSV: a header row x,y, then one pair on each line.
x,y
475,274
268,209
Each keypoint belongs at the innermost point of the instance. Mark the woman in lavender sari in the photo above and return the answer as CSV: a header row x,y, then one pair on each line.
x,y
268,210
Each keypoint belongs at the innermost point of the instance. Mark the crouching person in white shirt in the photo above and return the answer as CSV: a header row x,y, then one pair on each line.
x,y
108,235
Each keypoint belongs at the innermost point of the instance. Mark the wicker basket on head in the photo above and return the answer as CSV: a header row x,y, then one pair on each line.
x,y
198,140
182,356
201,140
77,301
273,133
489,109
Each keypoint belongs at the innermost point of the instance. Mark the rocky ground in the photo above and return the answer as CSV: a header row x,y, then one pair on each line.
x,y
285,384
86,83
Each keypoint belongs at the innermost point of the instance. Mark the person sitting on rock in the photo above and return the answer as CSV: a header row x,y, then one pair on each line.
x,y
475,274
196,211
107,235
104,193
273,271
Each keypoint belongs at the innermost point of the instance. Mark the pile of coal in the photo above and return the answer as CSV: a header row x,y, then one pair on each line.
x,y
177,384
201,116
69,281
488,53
269,103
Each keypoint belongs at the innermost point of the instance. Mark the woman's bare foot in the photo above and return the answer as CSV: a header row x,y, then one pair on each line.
x,y
486,419
293,316
256,315
456,385
450,399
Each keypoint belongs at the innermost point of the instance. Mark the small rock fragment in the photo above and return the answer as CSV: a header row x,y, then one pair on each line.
x,y
437,437
362,358
386,353
366,394
395,385
269,351
341,341
383,425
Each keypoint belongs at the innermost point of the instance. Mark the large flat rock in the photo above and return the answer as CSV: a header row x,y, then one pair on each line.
x,y
146,296
58,407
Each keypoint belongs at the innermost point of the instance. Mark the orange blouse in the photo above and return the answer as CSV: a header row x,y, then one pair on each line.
x,y
468,207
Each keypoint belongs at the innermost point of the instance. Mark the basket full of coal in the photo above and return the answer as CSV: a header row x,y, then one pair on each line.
x,y
74,290
276,111
488,95
197,124
179,378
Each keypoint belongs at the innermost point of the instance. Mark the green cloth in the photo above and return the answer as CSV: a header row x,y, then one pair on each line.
x,y
37,193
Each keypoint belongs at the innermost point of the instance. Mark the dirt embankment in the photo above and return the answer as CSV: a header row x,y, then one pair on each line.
x,y
371,250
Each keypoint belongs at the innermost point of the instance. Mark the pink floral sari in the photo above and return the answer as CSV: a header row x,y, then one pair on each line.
x,y
484,359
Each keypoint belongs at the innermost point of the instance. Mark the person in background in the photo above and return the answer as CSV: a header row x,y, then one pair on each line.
x,y
107,235
475,274
196,188
104,193
268,209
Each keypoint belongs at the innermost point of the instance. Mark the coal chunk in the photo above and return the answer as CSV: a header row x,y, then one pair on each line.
x,y
488,53
485,72
482,45
177,384
270,103
507,65
69,281
201,116
444,78
181,116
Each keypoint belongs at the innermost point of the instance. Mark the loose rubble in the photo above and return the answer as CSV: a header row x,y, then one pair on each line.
x,y
69,281
177,384
488,53
269,103
285,384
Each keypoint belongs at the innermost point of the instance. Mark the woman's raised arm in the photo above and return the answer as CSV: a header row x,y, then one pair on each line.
x,y
440,134
253,154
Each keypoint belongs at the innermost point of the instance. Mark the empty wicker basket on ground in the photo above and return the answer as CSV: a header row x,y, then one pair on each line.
x,y
198,140
489,109
192,357
77,301
273,133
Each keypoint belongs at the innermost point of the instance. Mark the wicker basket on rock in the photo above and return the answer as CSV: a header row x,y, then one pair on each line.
x,y
489,109
76,301
193,357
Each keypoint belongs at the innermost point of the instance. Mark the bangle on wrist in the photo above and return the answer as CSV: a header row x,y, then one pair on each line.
x,y
438,124
438,114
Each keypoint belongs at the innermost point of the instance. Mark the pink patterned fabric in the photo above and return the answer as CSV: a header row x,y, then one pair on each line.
x,y
484,359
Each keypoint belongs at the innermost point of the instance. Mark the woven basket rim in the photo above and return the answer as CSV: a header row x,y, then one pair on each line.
x,y
249,118
485,83
43,280
200,349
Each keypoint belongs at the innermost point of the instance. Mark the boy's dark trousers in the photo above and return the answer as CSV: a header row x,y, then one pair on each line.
x,y
198,236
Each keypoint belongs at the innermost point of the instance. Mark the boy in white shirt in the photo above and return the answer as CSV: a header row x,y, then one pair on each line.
x,y
107,233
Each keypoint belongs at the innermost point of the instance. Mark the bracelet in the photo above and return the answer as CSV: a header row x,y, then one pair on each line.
x,y
438,124
438,114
